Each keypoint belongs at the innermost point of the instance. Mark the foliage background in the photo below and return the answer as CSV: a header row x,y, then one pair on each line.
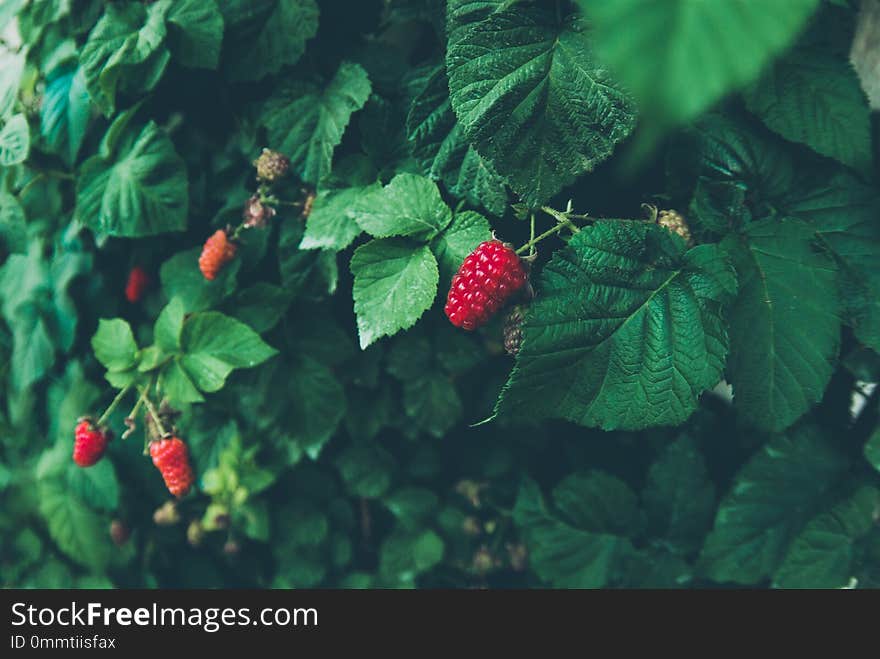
x,y
331,420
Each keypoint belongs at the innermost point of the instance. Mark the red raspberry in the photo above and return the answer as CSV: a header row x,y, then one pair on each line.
x,y
89,443
215,254
484,282
171,458
138,281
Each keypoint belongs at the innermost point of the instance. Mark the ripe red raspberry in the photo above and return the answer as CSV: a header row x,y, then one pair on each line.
x,y
89,443
484,282
171,458
138,281
216,253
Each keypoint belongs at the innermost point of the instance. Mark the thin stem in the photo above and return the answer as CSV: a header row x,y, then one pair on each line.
x,y
532,251
113,405
564,218
27,186
152,410
549,232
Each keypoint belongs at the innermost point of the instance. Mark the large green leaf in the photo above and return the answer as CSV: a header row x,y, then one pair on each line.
x,y
408,206
432,403
262,36
784,325
680,56
195,32
214,344
126,42
772,497
114,345
598,502
307,122
679,496
531,97
330,225
394,283
443,152
77,530
759,177
814,97
626,331
823,554
15,141
13,225
560,553
65,113
11,69
141,191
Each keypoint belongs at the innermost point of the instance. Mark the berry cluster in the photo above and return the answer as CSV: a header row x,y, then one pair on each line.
x,y
486,280
169,453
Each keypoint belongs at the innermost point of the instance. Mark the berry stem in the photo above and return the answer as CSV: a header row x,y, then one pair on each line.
x,y
152,412
549,232
113,405
532,251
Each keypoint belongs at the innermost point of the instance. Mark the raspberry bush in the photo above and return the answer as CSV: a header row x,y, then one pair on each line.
x,y
247,240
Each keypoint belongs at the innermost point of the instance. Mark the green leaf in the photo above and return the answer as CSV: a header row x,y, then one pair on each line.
x,y
394,284
214,344
814,97
872,450
406,554
13,225
562,554
141,192
114,345
460,238
33,351
315,403
261,306
626,331
166,332
122,45
77,530
195,33
96,486
432,402
176,384
784,325
679,496
443,152
531,97
844,214
598,502
408,206
15,141
367,469
11,69
412,506
262,36
330,225
181,277
307,122
679,57
65,113
726,156
823,554
772,497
